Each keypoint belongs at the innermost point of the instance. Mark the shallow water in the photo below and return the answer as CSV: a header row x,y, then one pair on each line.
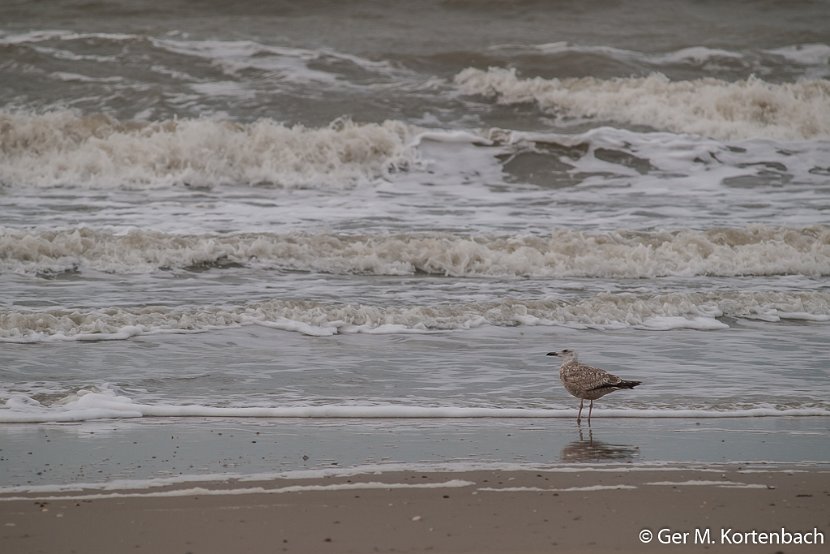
x,y
207,207
258,371
98,452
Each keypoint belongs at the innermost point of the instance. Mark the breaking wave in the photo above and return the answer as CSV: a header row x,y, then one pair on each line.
x,y
745,109
752,250
700,310
64,148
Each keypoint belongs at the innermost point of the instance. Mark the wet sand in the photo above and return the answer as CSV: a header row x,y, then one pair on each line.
x,y
563,510
153,448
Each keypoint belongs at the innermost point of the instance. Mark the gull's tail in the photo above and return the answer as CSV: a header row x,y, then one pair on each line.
x,y
627,384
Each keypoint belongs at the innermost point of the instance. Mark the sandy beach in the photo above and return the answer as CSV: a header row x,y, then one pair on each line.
x,y
512,486
564,510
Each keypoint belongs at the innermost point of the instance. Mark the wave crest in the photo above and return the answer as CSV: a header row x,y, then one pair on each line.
x,y
753,250
750,108
701,311
64,148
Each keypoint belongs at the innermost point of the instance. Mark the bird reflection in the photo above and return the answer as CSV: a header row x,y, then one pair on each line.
x,y
590,450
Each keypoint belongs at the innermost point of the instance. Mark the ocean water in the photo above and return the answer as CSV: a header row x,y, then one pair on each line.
x,y
364,211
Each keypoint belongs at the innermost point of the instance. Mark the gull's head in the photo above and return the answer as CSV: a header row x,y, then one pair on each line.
x,y
566,354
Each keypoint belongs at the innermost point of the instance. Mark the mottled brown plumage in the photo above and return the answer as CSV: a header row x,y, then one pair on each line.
x,y
586,382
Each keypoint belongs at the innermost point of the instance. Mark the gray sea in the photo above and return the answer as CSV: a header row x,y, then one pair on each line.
x,y
363,224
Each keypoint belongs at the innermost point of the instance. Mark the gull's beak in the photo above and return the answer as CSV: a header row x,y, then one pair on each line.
x,y
553,353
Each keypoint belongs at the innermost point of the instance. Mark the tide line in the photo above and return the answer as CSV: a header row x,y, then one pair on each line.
x,y
100,406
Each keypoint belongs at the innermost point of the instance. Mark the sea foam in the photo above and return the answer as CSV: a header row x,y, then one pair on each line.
x,y
750,108
752,250
65,148
666,311
235,491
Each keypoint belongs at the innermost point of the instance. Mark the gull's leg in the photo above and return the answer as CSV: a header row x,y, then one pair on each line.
x,y
579,415
590,409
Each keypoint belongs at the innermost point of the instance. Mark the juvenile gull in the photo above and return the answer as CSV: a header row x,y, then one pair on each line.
x,y
586,382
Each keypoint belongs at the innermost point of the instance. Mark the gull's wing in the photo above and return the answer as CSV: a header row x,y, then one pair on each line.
x,y
589,378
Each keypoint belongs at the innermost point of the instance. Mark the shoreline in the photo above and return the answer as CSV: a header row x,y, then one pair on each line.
x,y
519,511
33,455
523,486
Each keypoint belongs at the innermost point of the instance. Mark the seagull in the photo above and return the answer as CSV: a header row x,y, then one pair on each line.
x,y
586,382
